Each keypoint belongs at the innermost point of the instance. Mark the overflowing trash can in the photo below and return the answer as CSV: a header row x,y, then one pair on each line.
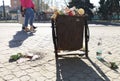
x,y
68,33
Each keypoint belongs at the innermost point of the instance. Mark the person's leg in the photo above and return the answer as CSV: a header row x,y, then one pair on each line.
x,y
31,20
27,16
34,20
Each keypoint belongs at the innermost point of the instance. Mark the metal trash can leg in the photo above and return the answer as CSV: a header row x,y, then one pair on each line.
x,y
86,38
54,38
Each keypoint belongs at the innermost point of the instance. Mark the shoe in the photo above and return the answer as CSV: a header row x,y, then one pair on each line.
x,y
32,30
26,29
34,27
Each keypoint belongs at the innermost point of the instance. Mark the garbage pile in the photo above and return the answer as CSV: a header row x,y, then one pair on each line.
x,y
68,11
99,56
20,58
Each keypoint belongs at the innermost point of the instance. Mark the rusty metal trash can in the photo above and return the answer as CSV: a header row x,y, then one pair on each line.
x,y
67,33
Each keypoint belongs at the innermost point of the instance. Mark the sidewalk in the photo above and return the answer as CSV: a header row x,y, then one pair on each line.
x,y
13,40
49,24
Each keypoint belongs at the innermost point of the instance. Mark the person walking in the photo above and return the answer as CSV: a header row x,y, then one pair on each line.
x,y
22,15
28,8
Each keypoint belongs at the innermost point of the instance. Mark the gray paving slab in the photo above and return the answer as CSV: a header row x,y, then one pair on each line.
x,y
47,68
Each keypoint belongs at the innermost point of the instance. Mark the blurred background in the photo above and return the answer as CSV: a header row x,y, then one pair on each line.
x,y
97,10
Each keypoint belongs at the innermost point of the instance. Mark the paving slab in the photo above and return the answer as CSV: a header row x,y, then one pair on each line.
x,y
13,40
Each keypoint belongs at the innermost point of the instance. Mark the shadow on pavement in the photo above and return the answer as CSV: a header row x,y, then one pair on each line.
x,y
108,64
19,38
75,69
99,70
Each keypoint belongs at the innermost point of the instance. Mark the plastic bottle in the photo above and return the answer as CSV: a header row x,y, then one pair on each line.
x,y
99,49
